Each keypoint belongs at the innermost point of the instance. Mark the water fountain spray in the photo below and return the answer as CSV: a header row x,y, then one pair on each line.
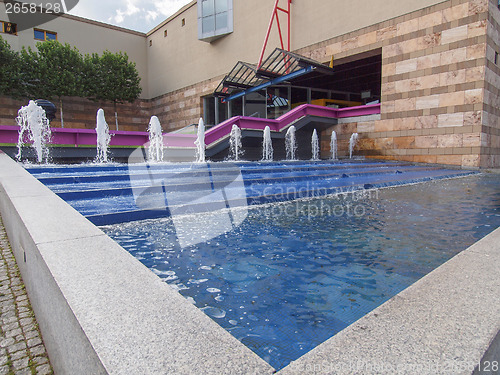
x,y
35,126
333,145
267,145
315,145
155,150
352,143
235,146
200,142
103,137
290,144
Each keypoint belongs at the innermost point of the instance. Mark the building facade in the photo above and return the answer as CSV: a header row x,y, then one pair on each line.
x,y
432,64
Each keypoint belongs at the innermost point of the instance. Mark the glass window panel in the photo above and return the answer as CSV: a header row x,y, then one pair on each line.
x,y
299,96
277,102
318,95
208,24
221,21
207,7
39,35
255,104
236,107
209,107
221,6
222,111
51,36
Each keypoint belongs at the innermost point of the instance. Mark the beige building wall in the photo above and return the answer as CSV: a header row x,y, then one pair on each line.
x,y
89,37
180,59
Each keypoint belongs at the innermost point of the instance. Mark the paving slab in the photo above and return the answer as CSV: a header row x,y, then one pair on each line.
x,y
16,356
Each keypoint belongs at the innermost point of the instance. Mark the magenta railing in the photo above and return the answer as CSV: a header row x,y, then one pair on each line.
x,y
79,137
223,129
88,137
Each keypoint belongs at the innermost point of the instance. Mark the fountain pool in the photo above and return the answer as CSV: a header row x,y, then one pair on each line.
x,y
294,273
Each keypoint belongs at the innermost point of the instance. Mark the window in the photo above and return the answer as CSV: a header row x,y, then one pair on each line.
x,y
215,19
150,43
8,28
45,35
165,33
183,22
496,58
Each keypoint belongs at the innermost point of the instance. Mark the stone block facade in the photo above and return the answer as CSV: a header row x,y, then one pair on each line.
x,y
490,134
81,113
183,107
440,85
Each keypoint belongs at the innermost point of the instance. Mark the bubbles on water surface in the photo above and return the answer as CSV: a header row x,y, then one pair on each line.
x,y
214,312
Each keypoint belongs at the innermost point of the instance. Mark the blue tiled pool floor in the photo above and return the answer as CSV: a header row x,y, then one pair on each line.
x,y
110,194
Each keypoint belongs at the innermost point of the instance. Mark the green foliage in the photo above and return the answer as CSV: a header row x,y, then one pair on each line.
x,y
11,83
111,77
55,70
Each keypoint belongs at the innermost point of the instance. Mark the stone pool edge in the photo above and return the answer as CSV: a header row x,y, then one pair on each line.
x,y
100,311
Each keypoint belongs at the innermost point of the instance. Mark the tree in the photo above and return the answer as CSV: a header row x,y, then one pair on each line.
x,y
111,77
56,71
11,83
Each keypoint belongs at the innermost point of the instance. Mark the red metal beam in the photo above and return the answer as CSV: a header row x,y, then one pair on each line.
x,y
275,14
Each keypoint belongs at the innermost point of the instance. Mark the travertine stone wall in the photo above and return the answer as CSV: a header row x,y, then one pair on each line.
x,y
81,113
183,107
433,84
490,134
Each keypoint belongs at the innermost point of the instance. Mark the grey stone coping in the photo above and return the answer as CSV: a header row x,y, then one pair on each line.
x,y
101,311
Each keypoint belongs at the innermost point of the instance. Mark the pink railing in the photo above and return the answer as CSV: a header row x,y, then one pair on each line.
x,y
224,129
88,137
79,137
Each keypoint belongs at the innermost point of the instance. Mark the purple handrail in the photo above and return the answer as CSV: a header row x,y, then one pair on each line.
x,y
223,129
88,137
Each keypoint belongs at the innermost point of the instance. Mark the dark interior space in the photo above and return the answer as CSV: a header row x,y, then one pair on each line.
x,y
355,74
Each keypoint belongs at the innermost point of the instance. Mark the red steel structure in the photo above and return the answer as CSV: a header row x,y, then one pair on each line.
x,y
275,15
